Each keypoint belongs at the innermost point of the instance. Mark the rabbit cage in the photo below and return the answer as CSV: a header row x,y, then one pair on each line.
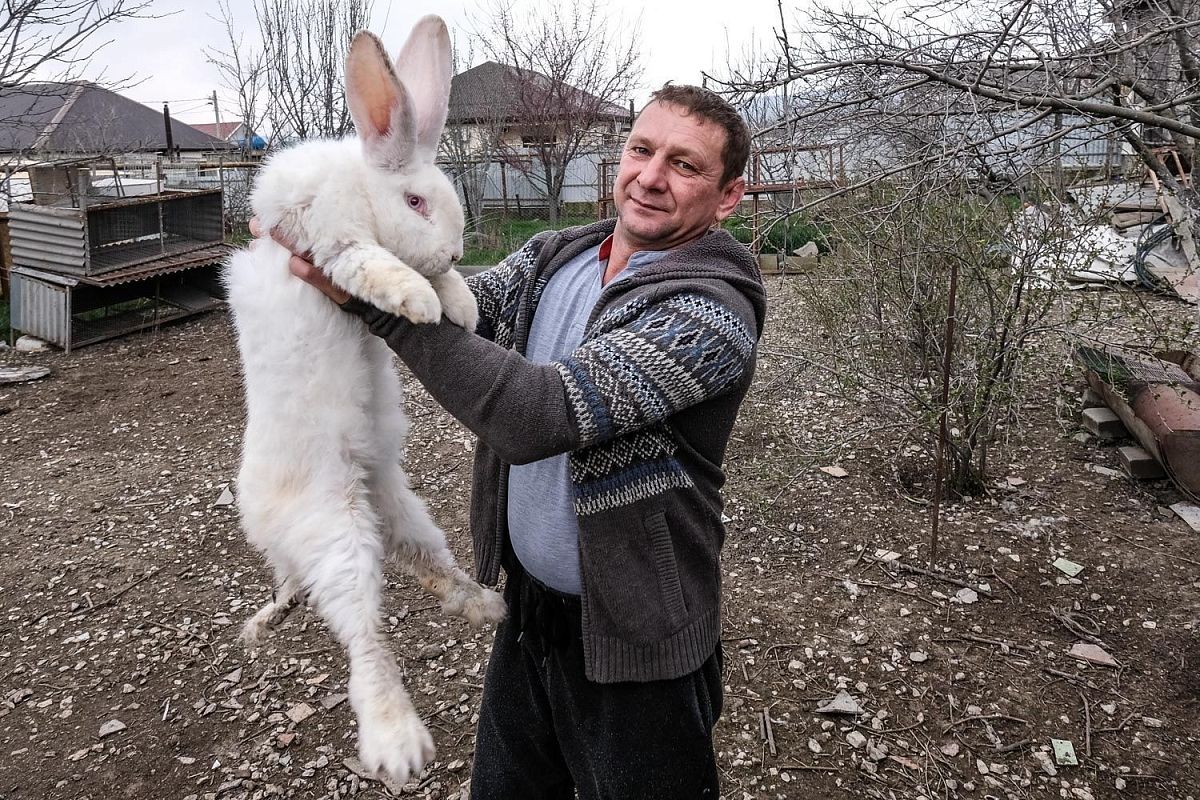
x,y
114,265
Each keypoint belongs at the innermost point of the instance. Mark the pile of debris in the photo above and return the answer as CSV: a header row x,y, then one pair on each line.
x,y
1124,233
1156,399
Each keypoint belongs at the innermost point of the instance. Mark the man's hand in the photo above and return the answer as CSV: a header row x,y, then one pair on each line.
x,y
300,265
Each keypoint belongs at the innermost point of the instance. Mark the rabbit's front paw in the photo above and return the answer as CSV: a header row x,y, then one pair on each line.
x,y
461,308
458,302
413,299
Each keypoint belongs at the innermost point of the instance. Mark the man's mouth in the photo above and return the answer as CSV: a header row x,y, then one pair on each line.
x,y
646,206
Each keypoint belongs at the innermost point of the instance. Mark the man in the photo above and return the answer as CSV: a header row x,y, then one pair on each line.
x,y
603,382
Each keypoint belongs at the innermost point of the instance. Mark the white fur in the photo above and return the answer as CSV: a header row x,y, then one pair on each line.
x,y
321,491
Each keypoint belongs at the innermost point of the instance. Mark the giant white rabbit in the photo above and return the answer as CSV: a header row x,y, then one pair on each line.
x,y
321,492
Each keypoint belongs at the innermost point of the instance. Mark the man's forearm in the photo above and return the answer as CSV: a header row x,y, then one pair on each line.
x,y
517,408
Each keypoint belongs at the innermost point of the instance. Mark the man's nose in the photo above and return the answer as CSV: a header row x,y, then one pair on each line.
x,y
653,175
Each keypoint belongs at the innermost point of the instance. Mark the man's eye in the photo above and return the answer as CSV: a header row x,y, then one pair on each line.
x,y
685,166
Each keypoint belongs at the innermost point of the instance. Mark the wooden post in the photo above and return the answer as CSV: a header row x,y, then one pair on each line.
x,y
948,347
503,187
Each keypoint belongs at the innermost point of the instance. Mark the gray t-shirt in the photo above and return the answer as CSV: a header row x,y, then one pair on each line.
x,y
541,512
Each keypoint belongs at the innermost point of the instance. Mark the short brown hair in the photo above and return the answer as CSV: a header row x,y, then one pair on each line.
x,y
716,109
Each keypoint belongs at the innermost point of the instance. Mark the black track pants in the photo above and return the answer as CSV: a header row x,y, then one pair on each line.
x,y
547,732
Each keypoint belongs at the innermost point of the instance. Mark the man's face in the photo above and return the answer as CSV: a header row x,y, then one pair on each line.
x,y
668,190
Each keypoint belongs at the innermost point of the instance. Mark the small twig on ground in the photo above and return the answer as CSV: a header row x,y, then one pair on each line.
x,y
978,717
766,712
116,595
1003,582
1119,727
781,354
941,576
1079,624
1087,724
984,640
257,733
1169,556
863,582
1069,677
808,768
1008,748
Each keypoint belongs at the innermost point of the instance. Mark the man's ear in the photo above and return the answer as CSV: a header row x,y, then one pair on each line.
x,y
731,195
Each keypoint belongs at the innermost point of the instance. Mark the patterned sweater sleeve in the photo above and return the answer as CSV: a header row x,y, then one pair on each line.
x,y
497,290
650,360
655,360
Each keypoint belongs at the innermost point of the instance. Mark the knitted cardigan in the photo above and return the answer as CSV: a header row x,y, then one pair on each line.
x,y
645,407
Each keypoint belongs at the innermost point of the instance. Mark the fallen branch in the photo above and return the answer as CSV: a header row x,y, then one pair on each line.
x,y
1087,723
1069,677
1152,550
967,637
116,595
766,713
941,576
1119,727
873,584
965,720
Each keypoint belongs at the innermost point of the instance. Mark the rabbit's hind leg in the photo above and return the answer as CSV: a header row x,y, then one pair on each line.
x,y
419,546
274,611
339,557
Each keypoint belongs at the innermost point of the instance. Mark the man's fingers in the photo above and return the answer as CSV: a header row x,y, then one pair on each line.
x,y
305,271
255,228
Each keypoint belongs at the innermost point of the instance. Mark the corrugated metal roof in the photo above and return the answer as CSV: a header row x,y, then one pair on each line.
x,y
162,266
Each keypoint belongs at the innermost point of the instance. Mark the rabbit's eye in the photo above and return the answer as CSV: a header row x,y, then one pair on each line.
x,y
417,204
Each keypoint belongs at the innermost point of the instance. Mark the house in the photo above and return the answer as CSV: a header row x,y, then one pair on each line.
x,y
505,124
54,121
526,109
233,132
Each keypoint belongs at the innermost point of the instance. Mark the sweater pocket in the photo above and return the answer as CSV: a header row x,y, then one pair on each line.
x,y
658,533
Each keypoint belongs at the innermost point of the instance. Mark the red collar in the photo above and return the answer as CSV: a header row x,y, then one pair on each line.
x,y
606,248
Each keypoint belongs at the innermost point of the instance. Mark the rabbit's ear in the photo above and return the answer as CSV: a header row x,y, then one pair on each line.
x,y
381,108
425,66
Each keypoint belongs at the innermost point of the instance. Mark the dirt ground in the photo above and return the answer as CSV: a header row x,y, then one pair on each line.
x,y
125,581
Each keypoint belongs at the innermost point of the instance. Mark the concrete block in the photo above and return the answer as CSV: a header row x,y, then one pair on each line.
x,y
1092,400
1139,464
1104,424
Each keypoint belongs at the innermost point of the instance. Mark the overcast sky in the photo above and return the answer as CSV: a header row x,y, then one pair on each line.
x,y
165,56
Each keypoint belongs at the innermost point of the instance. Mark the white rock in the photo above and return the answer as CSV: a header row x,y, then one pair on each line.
x,y
30,344
111,727
966,596
1045,762
843,703
855,739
